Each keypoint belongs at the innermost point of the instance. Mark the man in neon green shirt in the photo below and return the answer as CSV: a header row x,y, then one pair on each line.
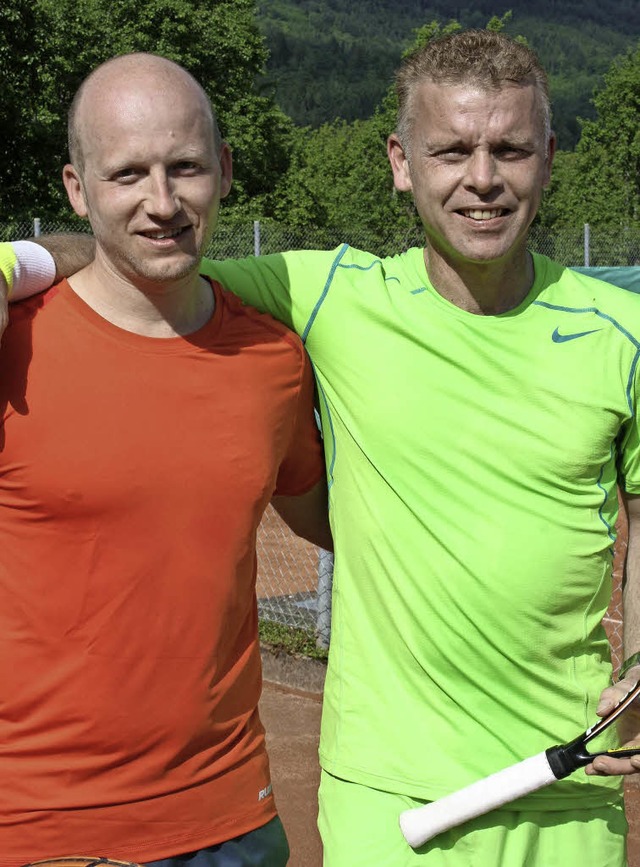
x,y
479,406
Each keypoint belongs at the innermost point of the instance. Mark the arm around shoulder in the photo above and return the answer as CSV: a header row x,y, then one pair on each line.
x,y
32,266
70,251
307,514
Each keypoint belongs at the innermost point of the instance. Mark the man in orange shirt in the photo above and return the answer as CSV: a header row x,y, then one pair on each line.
x,y
136,464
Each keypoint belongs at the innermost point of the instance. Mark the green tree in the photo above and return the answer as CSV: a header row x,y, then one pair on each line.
x,y
339,177
23,120
333,59
601,185
219,43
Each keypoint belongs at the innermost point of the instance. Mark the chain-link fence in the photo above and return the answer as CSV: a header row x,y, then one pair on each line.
x,y
294,577
577,245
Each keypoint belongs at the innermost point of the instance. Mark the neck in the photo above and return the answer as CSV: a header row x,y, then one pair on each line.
x,y
483,288
152,309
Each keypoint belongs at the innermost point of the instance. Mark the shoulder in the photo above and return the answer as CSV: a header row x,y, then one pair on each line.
x,y
276,264
352,258
28,308
351,266
315,264
240,318
35,328
566,287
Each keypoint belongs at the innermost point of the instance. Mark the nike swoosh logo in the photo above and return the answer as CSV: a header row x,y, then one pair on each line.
x,y
562,338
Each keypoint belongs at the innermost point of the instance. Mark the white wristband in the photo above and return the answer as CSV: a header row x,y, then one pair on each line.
x,y
34,271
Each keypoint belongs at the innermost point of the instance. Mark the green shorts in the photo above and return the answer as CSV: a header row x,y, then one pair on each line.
x,y
359,828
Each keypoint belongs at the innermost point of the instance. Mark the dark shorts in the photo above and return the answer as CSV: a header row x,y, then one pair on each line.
x,y
264,847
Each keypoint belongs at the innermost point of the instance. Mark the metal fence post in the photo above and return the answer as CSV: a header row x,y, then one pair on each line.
x,y
587,243
256,237
36,227
323,596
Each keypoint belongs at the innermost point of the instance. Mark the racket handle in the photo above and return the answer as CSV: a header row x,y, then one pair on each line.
x,y
423,823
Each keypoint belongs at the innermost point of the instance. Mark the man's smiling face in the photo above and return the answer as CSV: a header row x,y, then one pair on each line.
x,y
476,162
152,177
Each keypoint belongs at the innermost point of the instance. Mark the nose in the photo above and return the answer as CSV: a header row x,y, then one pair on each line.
x,y
482,172
162,200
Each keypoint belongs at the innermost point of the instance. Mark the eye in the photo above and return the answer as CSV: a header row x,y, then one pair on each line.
x,y
186,167
511,152
452,154
127,175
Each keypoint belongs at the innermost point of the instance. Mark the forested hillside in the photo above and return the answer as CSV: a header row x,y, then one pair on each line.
x,y
330,58
310,155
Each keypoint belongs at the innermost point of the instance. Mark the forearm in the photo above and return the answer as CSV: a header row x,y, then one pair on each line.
x,y
26,269
629,725
629,722
70,252
31,266
631,582
307,515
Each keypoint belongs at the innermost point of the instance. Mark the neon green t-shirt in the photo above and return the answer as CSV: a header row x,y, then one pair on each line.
x,y
473,464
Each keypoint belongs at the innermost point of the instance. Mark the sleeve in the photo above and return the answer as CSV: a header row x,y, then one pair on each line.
x,y
262,282
286,285
629,446
303,464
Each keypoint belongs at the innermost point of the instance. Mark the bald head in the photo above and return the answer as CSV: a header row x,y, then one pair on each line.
x,y
148,169
132,77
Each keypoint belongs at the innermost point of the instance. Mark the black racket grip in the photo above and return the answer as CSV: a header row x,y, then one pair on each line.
x,y
567,758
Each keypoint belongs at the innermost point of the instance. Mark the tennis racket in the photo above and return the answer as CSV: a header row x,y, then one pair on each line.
x,y
81,861
423,823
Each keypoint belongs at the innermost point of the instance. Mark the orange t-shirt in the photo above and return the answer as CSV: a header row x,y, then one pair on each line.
x,y
133,475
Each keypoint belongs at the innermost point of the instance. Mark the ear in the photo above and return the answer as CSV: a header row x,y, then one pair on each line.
x,y
226,169
399,164
551,152
75,190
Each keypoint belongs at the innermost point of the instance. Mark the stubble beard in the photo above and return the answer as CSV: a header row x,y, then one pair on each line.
x,y
150,270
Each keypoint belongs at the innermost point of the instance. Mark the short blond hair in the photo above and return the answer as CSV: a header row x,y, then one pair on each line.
x,y
484,58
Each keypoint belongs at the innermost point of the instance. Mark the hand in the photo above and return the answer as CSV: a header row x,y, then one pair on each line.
x,y
628,727
4,304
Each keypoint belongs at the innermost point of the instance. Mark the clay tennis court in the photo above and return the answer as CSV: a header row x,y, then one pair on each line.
x,y
291,706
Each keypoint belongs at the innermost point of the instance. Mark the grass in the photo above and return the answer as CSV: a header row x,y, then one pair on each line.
x,y
291,640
